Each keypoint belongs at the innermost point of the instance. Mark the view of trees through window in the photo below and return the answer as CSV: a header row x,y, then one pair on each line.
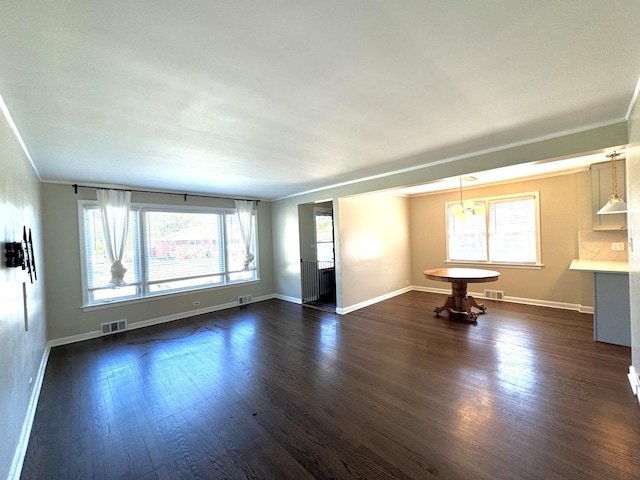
x,y
167,250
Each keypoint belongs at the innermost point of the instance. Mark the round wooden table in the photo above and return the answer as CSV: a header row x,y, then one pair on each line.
x,y
459,302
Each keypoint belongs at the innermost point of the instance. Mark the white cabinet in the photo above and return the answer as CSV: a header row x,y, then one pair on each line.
x,y
600,193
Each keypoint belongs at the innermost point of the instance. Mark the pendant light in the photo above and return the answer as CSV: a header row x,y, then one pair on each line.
x,y
464,208
615,204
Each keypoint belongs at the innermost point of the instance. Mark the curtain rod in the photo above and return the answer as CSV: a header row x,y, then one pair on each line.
x,y
76,187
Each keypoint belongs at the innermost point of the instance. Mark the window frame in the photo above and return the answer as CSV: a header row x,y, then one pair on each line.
x,y
487,202
141,252
324,212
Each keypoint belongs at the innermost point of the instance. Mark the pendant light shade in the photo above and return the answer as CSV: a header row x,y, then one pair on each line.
x,y
467,207
457,209
615,204
480,209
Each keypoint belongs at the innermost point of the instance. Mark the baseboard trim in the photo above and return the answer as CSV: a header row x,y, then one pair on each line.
x,y
341,311
288,299
525,301
442,291
153,321
21,449
634,381
366,303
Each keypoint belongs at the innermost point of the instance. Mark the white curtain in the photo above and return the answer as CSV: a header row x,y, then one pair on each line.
x,y
245,210
114,207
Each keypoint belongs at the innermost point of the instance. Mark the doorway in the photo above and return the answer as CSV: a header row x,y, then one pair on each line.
x,y
317,262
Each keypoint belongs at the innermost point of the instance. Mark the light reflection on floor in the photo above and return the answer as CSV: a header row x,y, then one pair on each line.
x,y
517,365
145,363
328,338
513,374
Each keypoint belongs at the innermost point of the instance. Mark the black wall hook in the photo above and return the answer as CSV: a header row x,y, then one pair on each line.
x,y
14,254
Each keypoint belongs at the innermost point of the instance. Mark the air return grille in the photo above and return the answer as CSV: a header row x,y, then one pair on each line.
x,y
113,327
243,300
494,294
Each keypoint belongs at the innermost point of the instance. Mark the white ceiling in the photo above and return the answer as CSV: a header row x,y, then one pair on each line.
x,y
268,99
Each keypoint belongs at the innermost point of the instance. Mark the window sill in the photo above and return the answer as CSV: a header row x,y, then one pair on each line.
x,y
151,298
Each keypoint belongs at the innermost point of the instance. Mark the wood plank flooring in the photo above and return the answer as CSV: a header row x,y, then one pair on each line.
x,y
279,391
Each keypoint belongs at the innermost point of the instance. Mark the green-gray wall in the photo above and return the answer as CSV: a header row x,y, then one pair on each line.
x,y
62,256
21,351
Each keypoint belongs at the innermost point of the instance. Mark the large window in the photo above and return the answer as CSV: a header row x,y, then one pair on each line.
x,y
508,232
168,250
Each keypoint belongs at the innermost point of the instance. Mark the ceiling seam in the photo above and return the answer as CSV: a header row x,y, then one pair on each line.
x,y
16,132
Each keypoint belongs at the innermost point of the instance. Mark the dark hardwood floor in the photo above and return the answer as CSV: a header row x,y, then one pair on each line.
x,y
280,391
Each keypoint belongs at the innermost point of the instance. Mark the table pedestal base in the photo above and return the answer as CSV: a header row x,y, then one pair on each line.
x,y
459,303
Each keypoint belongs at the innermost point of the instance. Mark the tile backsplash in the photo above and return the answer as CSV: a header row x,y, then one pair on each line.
x,y
598,245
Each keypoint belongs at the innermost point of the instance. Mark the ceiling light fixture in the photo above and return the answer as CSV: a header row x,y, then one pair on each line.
x,y
464,208
615,204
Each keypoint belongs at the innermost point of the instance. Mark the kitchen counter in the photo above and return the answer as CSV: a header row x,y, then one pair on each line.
x,y
599,266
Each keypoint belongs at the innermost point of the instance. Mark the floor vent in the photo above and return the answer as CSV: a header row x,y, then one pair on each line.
x,y
243,300
494,294
113,327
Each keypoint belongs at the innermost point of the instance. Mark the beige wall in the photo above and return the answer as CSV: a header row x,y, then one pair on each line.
x,y
563,211
21,351
62,256
584,222
375,257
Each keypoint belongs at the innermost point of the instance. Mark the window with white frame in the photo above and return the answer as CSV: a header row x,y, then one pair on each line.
x,y
168,249
507,232
324,234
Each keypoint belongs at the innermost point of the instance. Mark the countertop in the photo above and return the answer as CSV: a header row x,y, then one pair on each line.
x,y
599,266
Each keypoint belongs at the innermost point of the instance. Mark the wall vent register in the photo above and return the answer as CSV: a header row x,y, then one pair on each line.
x,y
113,327
494,294
243,300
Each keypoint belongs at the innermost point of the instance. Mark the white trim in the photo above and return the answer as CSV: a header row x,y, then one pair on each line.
x,y
523,301
138,209
21,449
543,303
81,337
341,311
154,321
442,291
634,381
288,299
634,98
585,309
488,201
366,303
